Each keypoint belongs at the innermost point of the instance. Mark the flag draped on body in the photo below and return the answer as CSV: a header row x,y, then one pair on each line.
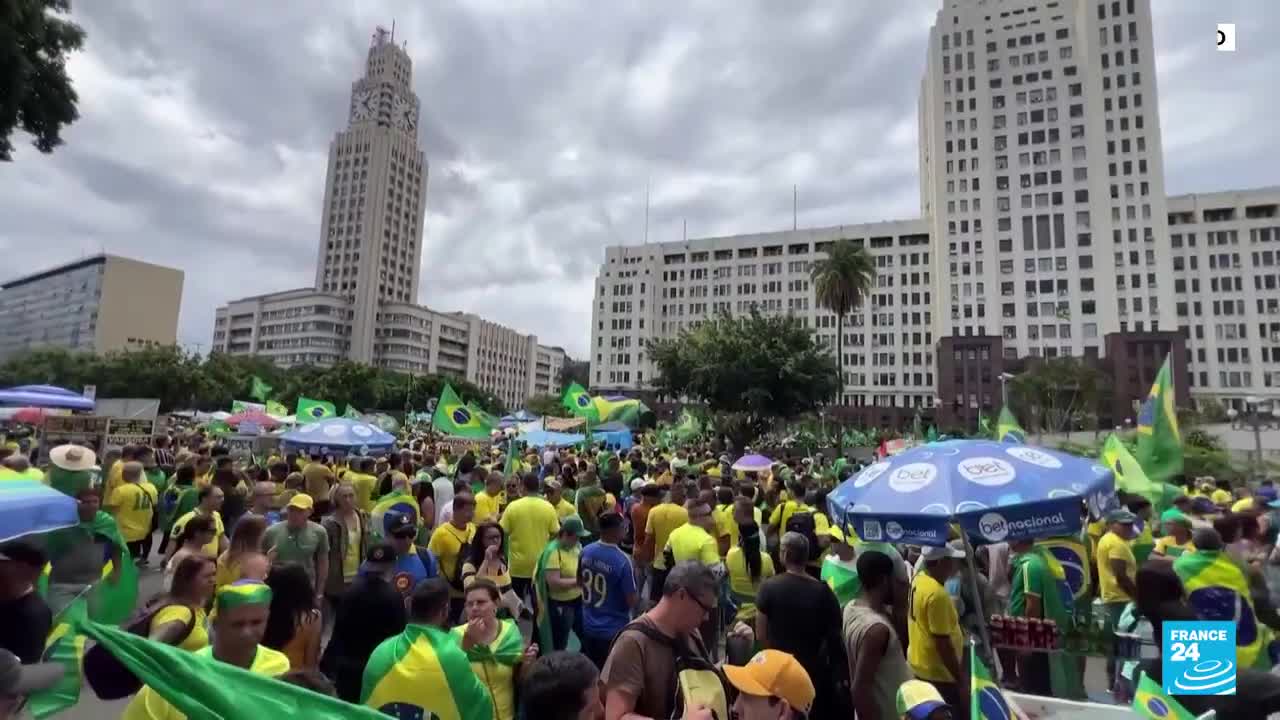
x,y
454,418
406,674
1216,589
1159,448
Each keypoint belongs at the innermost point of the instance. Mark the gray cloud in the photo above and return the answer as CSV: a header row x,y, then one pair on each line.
x,y
204,133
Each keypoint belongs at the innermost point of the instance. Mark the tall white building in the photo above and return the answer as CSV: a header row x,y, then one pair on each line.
x,y
1043,174
1045,232
363,306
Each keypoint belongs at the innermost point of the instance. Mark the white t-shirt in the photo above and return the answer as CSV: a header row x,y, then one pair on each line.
x,y
442,490
548,457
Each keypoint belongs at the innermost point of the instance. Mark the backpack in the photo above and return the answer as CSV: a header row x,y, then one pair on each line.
x,y
464,552
108,677
698,680
801,521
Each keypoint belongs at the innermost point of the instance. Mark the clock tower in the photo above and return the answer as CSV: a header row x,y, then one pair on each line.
x,y
375,196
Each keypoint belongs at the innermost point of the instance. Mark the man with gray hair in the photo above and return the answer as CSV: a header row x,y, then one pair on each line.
x,y
640,674
798,614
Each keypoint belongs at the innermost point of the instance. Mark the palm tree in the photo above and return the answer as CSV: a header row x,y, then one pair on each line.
x,y
841,282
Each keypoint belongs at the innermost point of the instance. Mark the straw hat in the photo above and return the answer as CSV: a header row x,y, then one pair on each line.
x,y
73,457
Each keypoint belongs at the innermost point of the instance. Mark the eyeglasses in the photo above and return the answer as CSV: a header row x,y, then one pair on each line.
x,y
706,609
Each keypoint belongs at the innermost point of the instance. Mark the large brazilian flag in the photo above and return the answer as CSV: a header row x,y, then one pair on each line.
x,y
423,673
1217,590
454,418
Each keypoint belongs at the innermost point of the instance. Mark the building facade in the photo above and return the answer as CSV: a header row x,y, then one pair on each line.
x,y
363,306
99,304
1045,232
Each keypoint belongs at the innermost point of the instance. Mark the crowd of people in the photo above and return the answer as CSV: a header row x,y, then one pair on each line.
x,y
589,582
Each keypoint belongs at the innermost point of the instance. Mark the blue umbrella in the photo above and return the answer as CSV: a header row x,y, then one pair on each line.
x,y
338,436
46,396
28,507
996,491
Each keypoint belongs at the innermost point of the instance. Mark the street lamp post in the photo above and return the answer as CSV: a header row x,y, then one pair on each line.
x,y
1004,388
1259,416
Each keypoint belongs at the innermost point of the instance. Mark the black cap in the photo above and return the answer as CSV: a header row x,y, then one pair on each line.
x,y
610,520
380,553
398,523
23,551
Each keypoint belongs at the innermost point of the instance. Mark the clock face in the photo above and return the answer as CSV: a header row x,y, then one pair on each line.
x,y
362,105
400,109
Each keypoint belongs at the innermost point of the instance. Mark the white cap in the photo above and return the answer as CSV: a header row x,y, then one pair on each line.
x,y
937,553
637,484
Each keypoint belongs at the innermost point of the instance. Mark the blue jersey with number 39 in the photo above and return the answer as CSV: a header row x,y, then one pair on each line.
x,y
607,579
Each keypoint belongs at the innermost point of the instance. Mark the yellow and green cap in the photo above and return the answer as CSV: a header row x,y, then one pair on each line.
x,y
243,592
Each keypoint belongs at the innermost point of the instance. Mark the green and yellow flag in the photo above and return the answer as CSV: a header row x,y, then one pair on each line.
x,y
619,409
486,418
423,673
1159,448
542,621
199,686
1130,477
112,599
309,410
986,699
276,410
259,389
842,580
66,648
579,403
1149,701
455,419
1217,590
687,428
1007,428
506,649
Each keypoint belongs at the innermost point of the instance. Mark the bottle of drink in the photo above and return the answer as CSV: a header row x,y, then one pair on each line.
x,y
1020,636
997,631
1039,634
1053,639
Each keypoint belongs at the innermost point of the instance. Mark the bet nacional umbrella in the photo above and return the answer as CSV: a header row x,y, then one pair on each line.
x,y
753,463
338,436
996,491
45,396
28,507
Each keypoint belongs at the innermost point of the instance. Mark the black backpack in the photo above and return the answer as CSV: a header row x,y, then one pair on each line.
x,y
464,553
802,522
108,677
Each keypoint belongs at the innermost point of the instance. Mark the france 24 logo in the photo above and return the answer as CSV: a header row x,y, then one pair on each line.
x,y
1199,658
1226,37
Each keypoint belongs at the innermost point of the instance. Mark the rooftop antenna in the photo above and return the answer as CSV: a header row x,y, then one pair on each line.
x,y
393,31
686,230
794,206
646,212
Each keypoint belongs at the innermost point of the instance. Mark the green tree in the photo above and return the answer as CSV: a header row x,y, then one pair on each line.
x,y
36,95
546,405
748,369
574,371
1056,394
841,283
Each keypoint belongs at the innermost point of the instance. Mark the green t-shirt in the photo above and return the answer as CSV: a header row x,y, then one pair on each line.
x,y
301,546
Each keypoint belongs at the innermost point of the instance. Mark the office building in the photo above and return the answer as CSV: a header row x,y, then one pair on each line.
x,y
362,307
98,304
1045,232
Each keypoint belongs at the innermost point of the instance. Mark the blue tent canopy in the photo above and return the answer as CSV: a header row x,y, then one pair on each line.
x,y
45,396
339,436
543,438
615,439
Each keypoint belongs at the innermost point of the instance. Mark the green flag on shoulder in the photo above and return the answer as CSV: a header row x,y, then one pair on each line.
x,y
422,669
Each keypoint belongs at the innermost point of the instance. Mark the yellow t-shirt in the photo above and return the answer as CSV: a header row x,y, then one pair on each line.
x,y
1242,505
566,561
931,613
782,513
1221,497
497,677
211,549
733,526
690,542
134,505
351,560
446,542
740,575
115,478
147,705
663,519
486,506
1113,547
564,509
530,523
199,636
725,526
364,486
228,570
1168,545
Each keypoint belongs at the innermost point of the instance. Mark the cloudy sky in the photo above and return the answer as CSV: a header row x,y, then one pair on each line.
x,y
204,133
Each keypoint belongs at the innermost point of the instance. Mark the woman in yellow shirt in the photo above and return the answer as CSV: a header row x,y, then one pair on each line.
x,y
243,559
487,561
556,576
182,621
748,569
494,647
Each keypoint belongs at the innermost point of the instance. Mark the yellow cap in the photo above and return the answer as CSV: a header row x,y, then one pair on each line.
x,y
773,673
917,698
302,501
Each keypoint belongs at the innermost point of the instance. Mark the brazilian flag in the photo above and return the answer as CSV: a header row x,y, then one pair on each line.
x,y
401,502
1159,440
1130,476
580,404
1073,557
986,699
66,648
482,415
1007,428
455,419
1149,701
311,410
424,673
1217,590
259,390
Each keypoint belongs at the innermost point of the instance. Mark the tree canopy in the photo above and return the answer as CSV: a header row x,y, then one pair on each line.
x,y
765,366
182,380
1059,394
36,94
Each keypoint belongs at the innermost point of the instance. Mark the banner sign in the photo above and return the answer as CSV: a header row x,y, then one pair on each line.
x,y
129,431
1054,518
83,430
